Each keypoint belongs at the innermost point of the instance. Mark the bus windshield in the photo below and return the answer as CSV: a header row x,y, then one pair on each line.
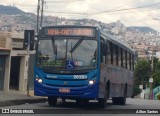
x,y
67,53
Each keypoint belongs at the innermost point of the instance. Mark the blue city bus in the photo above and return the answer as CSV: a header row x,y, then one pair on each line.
x,y
82,63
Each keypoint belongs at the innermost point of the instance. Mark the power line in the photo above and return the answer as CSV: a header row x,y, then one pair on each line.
x,y
125,9
125,4
65,1
133,12
108,11
66,13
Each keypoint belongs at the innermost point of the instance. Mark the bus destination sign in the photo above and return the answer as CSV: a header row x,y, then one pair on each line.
x,y
90,32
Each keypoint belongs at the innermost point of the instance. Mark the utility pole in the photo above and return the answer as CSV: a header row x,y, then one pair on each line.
x,y
152,69
28,51
38,7
42,13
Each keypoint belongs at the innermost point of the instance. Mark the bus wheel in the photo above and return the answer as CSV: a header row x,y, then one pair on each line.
x,y
120,100
52,101
115,100
82,101
102,102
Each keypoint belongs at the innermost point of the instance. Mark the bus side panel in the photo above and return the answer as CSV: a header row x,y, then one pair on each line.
x,y
103,79
118,78
116,84
130,84
111,75
120,82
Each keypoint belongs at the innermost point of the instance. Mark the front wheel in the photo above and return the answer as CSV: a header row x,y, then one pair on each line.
x,y
102,102
82,102
52,101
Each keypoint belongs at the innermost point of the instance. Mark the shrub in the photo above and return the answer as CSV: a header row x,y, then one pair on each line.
x,y
158,96
136,90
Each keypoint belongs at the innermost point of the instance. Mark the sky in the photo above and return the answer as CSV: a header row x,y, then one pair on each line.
x,y
129,12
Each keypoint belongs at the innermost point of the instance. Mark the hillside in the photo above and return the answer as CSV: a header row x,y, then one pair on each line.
x,y
142,29
12,18
10,10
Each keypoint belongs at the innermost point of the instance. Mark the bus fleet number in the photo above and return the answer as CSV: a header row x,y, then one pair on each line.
x,y
80,76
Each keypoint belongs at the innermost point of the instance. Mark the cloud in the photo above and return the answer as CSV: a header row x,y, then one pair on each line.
x,y
136,17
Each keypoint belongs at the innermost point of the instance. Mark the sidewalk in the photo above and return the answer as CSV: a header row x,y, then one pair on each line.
x,y
17,98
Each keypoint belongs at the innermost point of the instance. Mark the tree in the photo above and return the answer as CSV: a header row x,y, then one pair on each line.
x,y
156,74
155,61
157,66
142,72
156,79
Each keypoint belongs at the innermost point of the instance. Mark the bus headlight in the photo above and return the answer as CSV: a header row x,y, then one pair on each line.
x,y
39,80
91,82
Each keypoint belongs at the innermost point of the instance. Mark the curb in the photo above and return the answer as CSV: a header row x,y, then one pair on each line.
x,y
22,101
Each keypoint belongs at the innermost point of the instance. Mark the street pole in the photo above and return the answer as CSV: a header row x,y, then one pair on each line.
x,y
151,79
42,14
28,51
38,7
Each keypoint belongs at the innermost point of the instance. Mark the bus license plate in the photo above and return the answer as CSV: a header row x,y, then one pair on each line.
x,y
64,90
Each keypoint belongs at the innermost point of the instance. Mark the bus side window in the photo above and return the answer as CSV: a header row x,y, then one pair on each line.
x,y
103,51
122,64
125,59
114,54
108,52
111,51
119,56
130,62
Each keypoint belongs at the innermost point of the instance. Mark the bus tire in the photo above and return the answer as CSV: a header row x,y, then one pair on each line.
x,y
82,102
102,102
52,101
120,100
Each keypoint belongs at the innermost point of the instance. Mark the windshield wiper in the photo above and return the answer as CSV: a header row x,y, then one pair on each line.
x,y
76,45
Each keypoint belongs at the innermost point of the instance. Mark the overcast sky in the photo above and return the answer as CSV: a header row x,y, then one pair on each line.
x,y
130,12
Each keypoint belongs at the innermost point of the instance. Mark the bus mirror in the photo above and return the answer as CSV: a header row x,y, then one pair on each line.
x,y
34,43
35,38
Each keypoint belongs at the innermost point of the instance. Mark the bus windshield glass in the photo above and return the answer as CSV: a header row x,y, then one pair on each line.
x,y
60,53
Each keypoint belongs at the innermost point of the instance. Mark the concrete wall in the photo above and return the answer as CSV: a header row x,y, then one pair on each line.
x,y
23,54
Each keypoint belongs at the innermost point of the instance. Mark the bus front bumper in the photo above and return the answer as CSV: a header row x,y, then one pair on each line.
x,y
88,92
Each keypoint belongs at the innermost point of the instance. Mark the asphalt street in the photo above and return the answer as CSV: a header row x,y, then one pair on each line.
x,y
70,108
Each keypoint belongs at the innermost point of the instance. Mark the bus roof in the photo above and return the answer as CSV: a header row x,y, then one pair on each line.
x,y
69,26
117,42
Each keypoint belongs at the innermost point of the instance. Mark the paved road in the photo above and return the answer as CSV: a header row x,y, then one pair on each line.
x,y
71,106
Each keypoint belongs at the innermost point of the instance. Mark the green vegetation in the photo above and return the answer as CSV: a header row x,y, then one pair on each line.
x,y
143,71
158,96
136,90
